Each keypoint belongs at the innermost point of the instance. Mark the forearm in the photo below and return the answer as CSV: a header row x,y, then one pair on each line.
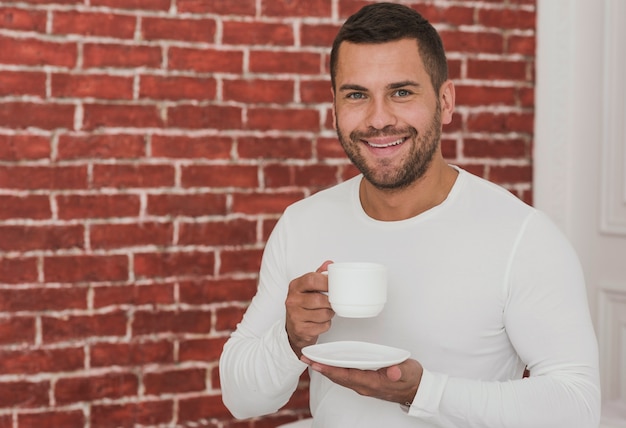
x,y
258,375
569,398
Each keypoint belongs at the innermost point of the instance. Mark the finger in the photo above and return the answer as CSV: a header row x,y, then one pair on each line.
x,y
324,266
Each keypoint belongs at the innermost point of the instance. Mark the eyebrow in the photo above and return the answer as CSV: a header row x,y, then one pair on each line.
x,y
395,85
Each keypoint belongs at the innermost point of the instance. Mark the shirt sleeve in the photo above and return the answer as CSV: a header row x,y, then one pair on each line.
x,y
547,320
258,369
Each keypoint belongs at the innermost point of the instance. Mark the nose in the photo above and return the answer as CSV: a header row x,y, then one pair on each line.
x,y
380,114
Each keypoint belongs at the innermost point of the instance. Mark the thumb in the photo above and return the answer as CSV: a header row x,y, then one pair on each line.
x,y
394,373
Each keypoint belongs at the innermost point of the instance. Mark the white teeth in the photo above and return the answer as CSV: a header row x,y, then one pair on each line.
x,y
382,146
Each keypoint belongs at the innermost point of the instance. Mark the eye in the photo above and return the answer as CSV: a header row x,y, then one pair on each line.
x,y
355,95
402,93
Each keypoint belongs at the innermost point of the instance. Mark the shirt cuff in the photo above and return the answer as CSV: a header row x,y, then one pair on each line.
x,y
426,402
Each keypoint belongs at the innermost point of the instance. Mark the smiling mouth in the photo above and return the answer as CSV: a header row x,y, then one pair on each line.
x,y
385,144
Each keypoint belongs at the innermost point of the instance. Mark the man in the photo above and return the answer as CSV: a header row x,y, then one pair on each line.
x,y
480,284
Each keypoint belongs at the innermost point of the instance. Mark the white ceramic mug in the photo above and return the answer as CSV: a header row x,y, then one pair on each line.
x,y
357,289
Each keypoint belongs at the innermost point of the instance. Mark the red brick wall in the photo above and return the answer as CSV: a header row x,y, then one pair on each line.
x,y
147,148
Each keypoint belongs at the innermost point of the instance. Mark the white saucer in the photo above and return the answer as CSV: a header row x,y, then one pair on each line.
x,y
355,355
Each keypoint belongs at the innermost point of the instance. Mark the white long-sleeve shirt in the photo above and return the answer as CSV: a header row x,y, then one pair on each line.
x,y
480,286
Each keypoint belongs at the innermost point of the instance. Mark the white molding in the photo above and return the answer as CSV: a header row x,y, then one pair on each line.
x,y
613,195
553,108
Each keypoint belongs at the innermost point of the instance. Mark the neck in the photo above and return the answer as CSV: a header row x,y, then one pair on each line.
x,y
427,192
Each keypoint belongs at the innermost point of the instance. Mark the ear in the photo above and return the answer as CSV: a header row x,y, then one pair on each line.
x,y
447,99
334,111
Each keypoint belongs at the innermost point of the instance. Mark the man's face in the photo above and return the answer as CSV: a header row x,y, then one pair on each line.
x,y
387,114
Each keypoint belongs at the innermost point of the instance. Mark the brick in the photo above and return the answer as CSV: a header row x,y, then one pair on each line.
x,y
162,265
285,62
100,146
264,203
85,268
204,407
31,206
130,235
77,327
37,52
17,330
259,91
29,238
18,270
129,415
507,18
267,226
219,7
330,148
228,318
191,205
257,33
182,146
220,176
240,261
94,24
152,294
24,394
452,15
24,147
498,149
212,291
201,349
68,418
494,122
205,117
205,60
129,176
215,233
97,206
496,70
296,8
174,381
511,174
191,30
283,119
524,45
316,91
177,88
449,148
22,82
121,56
485,95
80,389
20,115
42,360
131,354
469,43
44,177
274,148
313,176
171,322
162,5
318,35
42,299
526,97
23,20
99,86
124,116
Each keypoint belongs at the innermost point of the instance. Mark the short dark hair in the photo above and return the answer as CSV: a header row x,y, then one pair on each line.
x,y
387,22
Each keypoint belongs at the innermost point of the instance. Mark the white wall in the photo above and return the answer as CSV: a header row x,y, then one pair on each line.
x,y
580,162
